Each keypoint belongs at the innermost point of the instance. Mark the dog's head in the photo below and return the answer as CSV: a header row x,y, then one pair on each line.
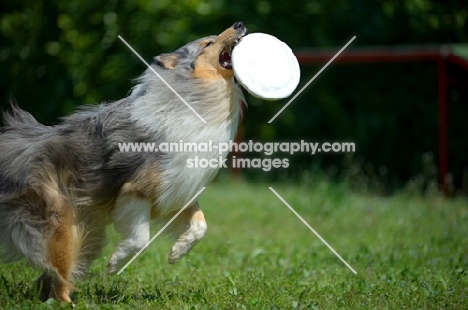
x,y
208,57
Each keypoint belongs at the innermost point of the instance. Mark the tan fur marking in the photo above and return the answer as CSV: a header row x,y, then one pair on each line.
x,y
198,216
145,185
204,70
225,73
61,256
169,61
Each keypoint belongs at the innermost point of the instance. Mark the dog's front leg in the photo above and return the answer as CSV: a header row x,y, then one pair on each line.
x,y
189,228
131,218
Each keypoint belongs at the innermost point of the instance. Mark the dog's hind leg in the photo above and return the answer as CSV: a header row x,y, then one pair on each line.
x,y
56,282
131,218
189,228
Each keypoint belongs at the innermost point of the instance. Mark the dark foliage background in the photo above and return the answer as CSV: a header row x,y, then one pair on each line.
x,y
57,55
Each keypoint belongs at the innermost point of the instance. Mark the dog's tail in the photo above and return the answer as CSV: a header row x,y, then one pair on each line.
x,y
21,140
22,218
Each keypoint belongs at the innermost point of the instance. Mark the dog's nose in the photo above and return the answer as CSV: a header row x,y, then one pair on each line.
x,y
239,25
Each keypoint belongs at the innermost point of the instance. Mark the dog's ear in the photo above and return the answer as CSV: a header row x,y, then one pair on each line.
x,y
167,61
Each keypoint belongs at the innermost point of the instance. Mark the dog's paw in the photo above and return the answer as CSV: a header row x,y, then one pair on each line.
x,y
187,241
112,267
116,262
179,249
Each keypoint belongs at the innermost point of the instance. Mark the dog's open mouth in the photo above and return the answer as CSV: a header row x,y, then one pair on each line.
x,y
225,57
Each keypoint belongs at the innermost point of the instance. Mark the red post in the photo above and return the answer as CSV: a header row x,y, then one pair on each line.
x,y
443,145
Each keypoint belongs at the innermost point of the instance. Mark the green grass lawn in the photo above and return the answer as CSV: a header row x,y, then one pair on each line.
x,y
409,252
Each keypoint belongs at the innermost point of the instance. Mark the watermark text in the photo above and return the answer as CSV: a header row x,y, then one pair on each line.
x,y
267,148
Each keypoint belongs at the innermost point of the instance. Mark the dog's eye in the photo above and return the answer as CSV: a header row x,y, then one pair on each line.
x,y
208,43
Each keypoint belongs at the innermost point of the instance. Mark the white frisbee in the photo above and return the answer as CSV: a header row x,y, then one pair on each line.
x,y
265,66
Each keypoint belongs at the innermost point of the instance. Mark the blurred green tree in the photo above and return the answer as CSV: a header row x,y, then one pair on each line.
x,y
56,56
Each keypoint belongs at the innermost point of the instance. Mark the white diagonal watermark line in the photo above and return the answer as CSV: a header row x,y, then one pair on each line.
x,y
313,230
311,80
161,230
163,80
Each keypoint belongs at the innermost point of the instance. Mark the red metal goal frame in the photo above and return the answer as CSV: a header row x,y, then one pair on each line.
x,y
441,55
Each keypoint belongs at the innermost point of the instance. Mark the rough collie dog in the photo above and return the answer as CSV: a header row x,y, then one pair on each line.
x,y
61,185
